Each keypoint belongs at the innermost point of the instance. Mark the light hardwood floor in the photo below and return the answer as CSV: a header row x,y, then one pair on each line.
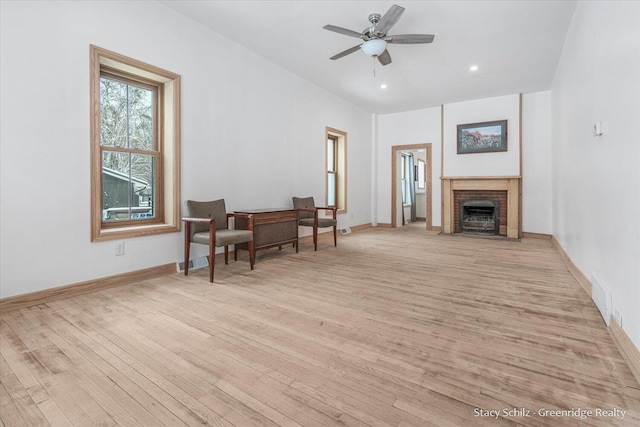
x,y
391,328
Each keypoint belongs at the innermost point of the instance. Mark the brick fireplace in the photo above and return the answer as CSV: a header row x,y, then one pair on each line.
x,y
482,193
475,197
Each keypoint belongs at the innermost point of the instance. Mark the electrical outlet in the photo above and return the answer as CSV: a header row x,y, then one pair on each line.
x,y
597,129
119,248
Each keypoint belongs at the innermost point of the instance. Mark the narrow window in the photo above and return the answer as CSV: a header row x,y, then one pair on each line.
x,y
336,167
135,147
332,173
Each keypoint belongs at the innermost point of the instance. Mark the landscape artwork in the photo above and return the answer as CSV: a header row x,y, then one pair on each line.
x,y
482,137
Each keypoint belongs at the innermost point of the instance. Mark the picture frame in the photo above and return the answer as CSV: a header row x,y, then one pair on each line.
x,y
483,137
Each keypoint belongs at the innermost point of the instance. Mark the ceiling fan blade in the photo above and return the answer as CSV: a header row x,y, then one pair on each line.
x,y
410,38
389,19
342,31
384,58
345,53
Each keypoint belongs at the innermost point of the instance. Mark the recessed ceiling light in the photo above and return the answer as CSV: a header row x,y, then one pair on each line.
x,y
473,68
383,86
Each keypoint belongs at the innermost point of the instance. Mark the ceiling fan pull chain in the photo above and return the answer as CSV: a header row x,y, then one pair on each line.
x,y
374,67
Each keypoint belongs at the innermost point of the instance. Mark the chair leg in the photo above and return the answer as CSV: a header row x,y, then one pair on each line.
x,y
252,254
315,238
186,258
335,236
187,246
226,255
212,261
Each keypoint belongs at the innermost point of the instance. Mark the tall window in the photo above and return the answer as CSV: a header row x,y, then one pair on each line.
x,y
336,167
130,150
332,170
135,147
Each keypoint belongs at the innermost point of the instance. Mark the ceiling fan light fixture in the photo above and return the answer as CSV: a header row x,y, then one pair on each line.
x,y
374,47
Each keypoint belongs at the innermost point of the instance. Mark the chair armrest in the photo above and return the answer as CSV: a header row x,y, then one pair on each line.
x,y
239,215
207,220
187,228
327,208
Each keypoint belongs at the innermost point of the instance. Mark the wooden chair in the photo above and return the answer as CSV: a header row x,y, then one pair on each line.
x,y
207,223
308,216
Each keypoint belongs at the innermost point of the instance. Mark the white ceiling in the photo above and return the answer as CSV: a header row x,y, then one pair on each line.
x,y
515,43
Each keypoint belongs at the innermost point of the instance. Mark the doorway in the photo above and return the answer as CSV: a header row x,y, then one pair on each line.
x,y
396,183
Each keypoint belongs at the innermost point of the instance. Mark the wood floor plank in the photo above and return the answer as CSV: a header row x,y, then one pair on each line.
x,y
394,327
55,416
9,411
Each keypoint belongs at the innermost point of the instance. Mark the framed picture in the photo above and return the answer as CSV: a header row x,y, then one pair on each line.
x,y
482,137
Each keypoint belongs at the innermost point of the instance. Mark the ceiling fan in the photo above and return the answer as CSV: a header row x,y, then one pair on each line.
x,y
375,37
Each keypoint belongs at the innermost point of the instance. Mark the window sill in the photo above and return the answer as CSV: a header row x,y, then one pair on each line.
x,y
135,231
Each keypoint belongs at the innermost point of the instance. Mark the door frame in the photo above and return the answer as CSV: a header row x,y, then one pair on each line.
x,y
394,180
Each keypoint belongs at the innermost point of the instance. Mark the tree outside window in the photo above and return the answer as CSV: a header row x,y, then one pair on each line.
x,y
128,141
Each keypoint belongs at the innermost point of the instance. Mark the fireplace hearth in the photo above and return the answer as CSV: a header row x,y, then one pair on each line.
x,y
480,216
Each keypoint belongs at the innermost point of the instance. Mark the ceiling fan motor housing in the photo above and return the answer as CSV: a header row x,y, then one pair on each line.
x,y
372,32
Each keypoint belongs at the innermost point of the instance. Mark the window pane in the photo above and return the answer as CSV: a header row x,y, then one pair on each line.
x,y
126,115
127,186
331,189
113,113
331,155
140,118
421,174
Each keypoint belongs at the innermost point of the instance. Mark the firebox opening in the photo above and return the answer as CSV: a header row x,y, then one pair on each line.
x,y
479,216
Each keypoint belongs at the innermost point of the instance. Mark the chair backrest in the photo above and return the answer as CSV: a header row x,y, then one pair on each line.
x,y
215,209
303,202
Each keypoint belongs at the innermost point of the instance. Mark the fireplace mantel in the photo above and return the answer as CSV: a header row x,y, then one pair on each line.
x,y
510,184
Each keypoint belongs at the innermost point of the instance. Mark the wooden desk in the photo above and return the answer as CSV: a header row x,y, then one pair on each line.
x,y
271,227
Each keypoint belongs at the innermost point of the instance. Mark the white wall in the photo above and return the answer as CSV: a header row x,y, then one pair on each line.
x,y
252,133
408,128
596,180
505,163
536,163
